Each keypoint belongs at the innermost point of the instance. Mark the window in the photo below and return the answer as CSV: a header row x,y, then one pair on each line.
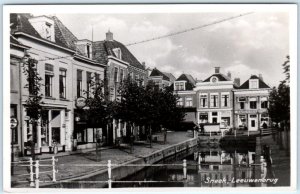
x,y
203,100
79,83
253,84
62,83
203,117
88,50
131,76
48,79
253,103
88,83
48,31
121,75
118,53
179,86
214,100
188,101
225,100
14,131
97,78
264,104
116,74
242,105
180,102
214,116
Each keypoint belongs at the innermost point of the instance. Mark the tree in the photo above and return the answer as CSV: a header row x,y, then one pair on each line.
x,y
279,107
34,101
286,70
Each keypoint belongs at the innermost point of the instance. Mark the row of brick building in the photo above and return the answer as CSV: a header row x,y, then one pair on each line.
x,y
221,100
66,65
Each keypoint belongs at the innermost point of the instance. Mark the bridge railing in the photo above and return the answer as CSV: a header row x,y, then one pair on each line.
x,y
35,169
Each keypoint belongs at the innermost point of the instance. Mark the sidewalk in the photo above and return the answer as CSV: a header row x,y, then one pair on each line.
x,y
117,156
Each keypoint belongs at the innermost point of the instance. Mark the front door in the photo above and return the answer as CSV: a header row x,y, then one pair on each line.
x,y
253,123
56,134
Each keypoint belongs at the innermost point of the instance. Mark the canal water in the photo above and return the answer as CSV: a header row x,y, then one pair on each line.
x,y
221,166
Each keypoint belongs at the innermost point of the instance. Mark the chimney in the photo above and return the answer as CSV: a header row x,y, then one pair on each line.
x,y
229,74
217,69
237,82
109,36
144,64
260,77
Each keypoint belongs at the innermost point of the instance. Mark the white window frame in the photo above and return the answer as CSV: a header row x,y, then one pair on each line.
x,y
179,88
217,100
228,99
188,101
201,96
180,102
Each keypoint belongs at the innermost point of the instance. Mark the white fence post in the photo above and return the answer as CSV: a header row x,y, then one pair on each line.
x,y
53,169
199,162
37,165
31,172
109,173
184,169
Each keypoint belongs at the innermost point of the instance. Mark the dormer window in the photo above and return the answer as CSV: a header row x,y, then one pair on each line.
x,y
44,26
48,31
88,50
118,53
179,85
253,84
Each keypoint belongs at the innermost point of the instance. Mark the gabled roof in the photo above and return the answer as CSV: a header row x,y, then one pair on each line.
x,y
63,37
190,82
186,77
105,49
261,83
220,76
156,72
170,75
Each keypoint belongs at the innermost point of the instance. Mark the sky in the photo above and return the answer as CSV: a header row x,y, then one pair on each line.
x,y
253,44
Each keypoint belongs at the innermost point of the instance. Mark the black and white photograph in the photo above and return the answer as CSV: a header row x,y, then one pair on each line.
x,y
169,96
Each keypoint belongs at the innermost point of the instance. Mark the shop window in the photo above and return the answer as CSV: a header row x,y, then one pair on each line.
x,y
203,117
62,83
45,128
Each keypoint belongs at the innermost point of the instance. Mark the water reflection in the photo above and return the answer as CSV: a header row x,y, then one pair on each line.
x,y
237,166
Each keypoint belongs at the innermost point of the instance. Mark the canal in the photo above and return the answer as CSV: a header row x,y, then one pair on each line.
x,y
229,166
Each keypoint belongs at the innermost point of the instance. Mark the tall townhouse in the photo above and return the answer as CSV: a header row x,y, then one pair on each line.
x,y
251,103
184,88
17,53
120,63
161,79
58,54
215,99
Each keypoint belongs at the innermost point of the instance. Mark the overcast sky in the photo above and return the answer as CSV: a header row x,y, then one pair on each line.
x,y
253,44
